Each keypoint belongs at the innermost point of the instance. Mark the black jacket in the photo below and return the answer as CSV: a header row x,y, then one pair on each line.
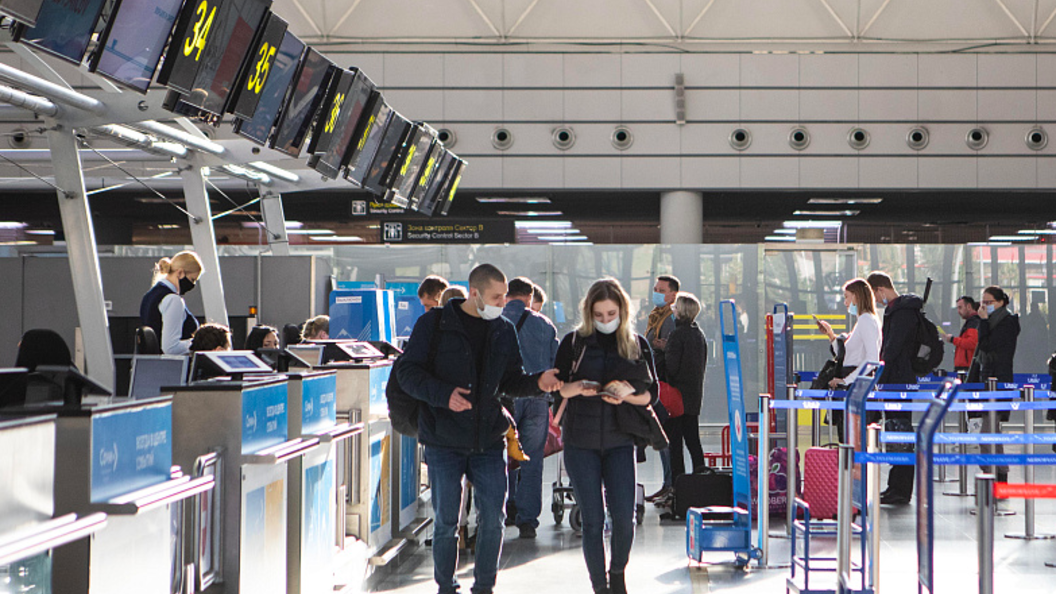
x,y
901,318
687,355
996,349
590,422
483,426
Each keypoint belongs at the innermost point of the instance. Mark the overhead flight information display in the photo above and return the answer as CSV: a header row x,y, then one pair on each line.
x,y
380,177
430,194
63,29
23,11
262,58
273,94
131,45
406,175
425,177
367,140
330,111
309,89
447,192
225,53
355,105
194,27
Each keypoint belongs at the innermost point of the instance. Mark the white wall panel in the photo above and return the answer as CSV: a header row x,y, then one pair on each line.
x,y
948,172
531,139
769,172
886,139
828,172
648,105
593,172
947,104
947,70
535,172
1015,172
533,70
545,105
995,105
828,70
713,104
887,104
655,139
473,139
652,173
414,70
472,70
828,105
649,70
592,70
711,70
473,106
1007,70
418,104
768,139
887,70
948,139
828,139
769,104
706,138
594,139
1046,70
768,70
483,172
887,172
708,173
600,105
373,65
1046,173
1046,105
1008,139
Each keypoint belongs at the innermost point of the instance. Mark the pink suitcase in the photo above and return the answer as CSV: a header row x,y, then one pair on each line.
x,y
821,482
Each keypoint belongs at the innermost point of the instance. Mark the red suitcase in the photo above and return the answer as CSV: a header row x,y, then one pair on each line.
x,y
821,482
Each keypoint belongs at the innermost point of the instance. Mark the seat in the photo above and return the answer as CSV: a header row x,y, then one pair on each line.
x,y
147,341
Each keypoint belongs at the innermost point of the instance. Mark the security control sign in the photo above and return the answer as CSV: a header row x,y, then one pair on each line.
x,y
447,231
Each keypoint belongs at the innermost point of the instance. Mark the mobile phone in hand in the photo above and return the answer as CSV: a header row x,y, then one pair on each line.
x,y
590,385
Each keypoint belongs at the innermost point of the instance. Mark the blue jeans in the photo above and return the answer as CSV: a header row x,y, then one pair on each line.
x,y
487,472
526,483
589,470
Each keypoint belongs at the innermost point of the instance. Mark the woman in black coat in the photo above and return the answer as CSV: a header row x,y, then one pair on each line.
x,y
998,334
687,355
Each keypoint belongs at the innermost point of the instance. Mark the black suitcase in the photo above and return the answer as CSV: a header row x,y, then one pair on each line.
x,y
705,487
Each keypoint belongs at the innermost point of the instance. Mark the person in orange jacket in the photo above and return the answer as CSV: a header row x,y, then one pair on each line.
x,y
968,339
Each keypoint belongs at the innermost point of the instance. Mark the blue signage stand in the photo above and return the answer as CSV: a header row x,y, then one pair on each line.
x,y
782,349
929,425
733,535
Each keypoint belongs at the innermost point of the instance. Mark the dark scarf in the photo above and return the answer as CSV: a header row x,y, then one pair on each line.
x,y
997,317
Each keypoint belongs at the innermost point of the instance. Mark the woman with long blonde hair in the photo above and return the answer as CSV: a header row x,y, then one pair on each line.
x,y
605,365
163,307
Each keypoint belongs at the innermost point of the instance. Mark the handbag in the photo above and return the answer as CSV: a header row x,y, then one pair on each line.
x,y
671,398
554,442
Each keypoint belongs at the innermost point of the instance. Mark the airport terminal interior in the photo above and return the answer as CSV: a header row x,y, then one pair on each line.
x,y
314,296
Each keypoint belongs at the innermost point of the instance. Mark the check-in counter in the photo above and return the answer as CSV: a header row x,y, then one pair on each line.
x,y
28,530
117,459
240,543
316,507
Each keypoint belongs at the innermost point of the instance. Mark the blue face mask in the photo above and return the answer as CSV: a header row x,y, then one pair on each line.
x,y
990,309
853,309
658,299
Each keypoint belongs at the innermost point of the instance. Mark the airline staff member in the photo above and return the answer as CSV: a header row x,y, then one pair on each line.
x,y
163,308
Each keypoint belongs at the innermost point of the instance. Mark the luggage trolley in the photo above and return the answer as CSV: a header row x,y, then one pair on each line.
x,y
564,497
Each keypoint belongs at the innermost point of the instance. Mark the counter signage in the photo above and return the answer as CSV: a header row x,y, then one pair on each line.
x,y
263,417
379,380
408,474
318,395
131,450
448,231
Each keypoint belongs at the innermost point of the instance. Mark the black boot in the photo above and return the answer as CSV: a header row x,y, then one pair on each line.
x,y
616,583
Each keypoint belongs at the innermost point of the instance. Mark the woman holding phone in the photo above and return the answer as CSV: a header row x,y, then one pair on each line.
x,y
604,365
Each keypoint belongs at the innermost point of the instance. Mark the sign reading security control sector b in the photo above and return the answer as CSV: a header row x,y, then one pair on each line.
x,y
447,231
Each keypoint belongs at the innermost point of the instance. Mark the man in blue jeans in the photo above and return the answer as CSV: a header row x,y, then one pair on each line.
x,y
538,338
461,422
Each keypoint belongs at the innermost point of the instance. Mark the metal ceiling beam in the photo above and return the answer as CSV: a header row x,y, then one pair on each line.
x,y
660,16
876,15
700,16
348,13
51,90
485,18
524,15
835,16
300,8
1046,24
1011,16
33,103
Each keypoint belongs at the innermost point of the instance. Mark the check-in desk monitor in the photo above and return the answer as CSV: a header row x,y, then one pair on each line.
x,y
60,383
344,351
309,353
282,360
234,364
150,373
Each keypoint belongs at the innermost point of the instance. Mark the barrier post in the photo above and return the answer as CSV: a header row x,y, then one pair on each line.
x,y
873,517
984,505
962,449
792,433
815,427
991,386
763,468
844,534
1028,471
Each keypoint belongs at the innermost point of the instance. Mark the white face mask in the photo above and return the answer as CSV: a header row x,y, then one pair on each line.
x,y
488,312
607,327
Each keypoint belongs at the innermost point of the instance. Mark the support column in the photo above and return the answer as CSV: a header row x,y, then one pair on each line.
x,y
275,222
204,239
83,255
681,217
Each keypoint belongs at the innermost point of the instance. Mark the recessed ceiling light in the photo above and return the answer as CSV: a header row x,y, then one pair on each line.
x,y
294,224
988,243
341,238
812,224
1012,238
168,226
528,200
530,213
826,213
309,232
1037,232
12,225
560,238
40,232
845,201
541,231
785,231
780,238
543,224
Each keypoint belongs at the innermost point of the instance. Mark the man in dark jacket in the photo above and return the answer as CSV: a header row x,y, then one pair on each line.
x,y
902,315
462,424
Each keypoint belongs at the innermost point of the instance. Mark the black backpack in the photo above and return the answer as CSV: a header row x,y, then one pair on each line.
x,y
927,346
403,408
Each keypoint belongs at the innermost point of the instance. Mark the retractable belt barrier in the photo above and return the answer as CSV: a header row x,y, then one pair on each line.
x,y
973,438
915,406
807,395
909,459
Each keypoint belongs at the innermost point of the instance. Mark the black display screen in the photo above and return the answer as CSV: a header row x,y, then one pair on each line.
x,y
23,11
380,176
262,58
131,45
356,104
426,176
447,193
225,53
367,139
64,28
405,178
431,194
196,25
309,89
272,97
330,112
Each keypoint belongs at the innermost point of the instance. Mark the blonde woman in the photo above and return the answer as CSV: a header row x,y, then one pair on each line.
x,y
604,365
163,307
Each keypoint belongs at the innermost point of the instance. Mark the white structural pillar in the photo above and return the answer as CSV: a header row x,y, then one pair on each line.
x,y
83,255
204,238
274,222
681,217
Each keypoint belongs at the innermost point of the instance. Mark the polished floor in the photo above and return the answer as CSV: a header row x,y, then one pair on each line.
x,y
553,561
